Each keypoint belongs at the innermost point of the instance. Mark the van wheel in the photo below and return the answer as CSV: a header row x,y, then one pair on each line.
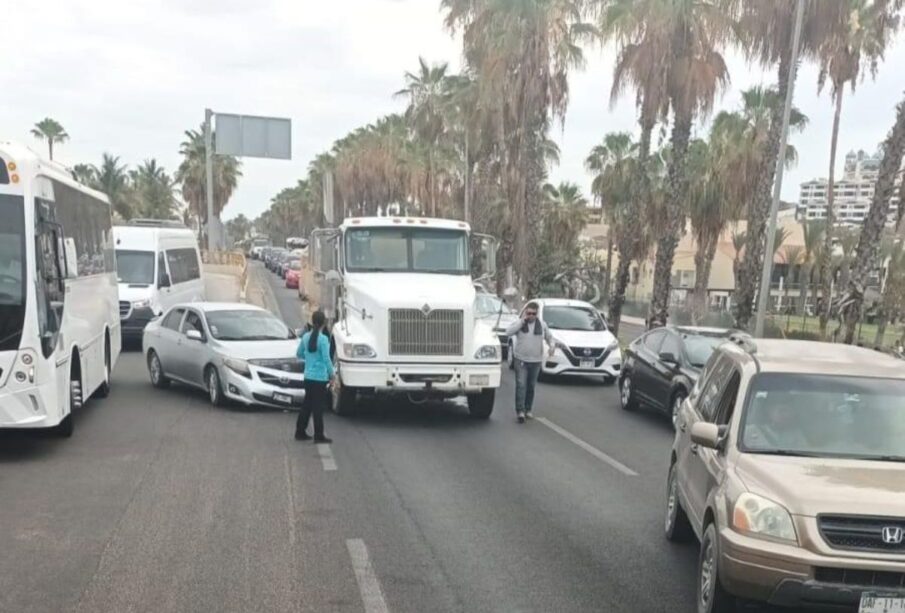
x,y
104,390
344,398
481,405
712,598
155,370
678,528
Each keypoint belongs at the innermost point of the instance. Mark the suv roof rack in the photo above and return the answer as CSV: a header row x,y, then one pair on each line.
x,y
156,223
744,340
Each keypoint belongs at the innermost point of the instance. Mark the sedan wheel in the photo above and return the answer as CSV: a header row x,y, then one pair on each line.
x,y
627,394
676,408
214,390
155,370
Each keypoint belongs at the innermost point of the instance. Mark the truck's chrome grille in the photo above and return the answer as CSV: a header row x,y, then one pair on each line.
x,y
125,309
416,332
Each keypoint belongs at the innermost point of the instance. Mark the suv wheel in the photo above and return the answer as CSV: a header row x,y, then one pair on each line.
x,y
712,598
677,528
627,394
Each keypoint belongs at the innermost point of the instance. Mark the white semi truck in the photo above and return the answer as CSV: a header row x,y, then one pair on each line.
x,y
399,292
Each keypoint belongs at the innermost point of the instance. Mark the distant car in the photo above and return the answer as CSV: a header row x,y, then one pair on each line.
x,y
293,274
276,262
232,351
497,314
788,467
663,365
584,344
287,264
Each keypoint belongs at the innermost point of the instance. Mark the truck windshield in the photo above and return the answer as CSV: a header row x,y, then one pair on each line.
x,y
12,270
135,267
407,250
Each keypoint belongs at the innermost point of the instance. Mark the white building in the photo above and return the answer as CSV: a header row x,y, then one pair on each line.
x,y
852,193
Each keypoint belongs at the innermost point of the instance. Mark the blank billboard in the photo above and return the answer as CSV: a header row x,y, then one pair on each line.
x,y
251,136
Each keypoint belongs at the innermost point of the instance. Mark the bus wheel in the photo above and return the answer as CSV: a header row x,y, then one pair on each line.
x,y
104,390
65,428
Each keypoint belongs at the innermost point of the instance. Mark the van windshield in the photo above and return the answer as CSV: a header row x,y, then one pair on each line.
x,y
135,267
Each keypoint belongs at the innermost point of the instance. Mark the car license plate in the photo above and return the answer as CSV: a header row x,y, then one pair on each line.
x,y
874,602
587,363
282,398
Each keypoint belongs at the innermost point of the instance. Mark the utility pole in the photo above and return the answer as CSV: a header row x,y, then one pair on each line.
x,y
763,295
212,238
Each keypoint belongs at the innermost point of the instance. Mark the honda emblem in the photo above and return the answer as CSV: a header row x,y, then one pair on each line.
x,y
893,535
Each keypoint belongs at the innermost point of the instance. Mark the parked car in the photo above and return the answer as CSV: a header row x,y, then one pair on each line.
x,y
232,351
275,259
494,311
584,344
788,465
663,365
287,263
293,274
266,252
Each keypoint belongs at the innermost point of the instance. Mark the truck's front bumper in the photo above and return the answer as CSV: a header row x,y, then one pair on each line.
x,y
440,378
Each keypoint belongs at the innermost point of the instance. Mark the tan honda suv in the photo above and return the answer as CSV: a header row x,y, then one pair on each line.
x,y
789,468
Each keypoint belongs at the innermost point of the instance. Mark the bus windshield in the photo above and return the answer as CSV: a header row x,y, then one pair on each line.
x,y
407,250
12,250
135,267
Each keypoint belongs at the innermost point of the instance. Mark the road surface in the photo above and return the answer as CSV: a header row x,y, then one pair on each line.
x,y
161,503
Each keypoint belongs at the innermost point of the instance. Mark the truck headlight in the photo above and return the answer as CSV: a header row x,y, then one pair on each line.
x,y
488,352
141,304
240,367
359,350
757,516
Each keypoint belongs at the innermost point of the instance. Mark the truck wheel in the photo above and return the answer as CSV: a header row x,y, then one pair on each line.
x,y
343,398
481,405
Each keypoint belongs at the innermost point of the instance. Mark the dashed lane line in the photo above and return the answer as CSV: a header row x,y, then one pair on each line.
x,y
368,584
603,457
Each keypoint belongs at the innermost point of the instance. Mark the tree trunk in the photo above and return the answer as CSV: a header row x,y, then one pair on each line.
x,y
50,148
825,273
675,213
622,278
609,269
703,260
881,329
869,243
749,271
804,286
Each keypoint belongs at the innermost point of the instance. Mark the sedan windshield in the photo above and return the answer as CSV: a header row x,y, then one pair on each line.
x,y
573,318
698,349
818,415
135,267
485,304
247,325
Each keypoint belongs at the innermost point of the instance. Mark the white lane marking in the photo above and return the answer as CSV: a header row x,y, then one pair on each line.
x,y
368,584
326,456
625,470
291,499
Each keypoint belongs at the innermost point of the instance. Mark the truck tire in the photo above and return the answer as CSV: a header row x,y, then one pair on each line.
x,y
481,405
344,399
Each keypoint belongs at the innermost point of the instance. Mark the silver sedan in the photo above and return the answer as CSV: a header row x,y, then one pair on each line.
x,y
232,351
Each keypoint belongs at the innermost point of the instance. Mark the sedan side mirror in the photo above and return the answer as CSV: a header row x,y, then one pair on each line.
x,y
668,357
707,435
164,281
194,335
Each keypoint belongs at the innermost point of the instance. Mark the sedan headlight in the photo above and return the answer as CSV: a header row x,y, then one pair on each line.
x,y
359,350
141,304
240,367
488,352
757,516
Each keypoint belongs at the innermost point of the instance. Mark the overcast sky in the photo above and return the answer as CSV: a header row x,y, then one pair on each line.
x,y
129,77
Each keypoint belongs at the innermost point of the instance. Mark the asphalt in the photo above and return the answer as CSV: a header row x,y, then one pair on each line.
x,y
161,503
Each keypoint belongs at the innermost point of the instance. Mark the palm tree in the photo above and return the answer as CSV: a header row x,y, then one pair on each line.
x,y
812,234
153,189
766,29
859,38
192,176
521,54
238,228
671,51
892,291
865,259
50,130
792,256
112,178
84,174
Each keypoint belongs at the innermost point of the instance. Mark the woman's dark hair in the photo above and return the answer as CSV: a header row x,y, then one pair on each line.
x,y
318,320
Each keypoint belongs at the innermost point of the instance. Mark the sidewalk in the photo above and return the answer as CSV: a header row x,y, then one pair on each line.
x,y
220,287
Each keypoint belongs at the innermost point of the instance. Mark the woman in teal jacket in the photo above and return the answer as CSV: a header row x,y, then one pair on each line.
x,y
314,349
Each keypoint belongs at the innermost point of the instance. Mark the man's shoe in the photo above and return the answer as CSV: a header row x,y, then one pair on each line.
x,y
323,440
529,415
302,436
520,417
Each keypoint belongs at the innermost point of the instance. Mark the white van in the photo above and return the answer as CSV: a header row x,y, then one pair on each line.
x,y
158,265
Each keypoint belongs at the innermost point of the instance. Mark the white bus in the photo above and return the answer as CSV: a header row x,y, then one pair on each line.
x,y
59,313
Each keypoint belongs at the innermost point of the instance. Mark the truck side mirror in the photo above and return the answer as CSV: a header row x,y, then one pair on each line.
x,y
164,281
333,278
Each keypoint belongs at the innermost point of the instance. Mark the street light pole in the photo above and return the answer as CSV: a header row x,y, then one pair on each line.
x,y
212,238
767,271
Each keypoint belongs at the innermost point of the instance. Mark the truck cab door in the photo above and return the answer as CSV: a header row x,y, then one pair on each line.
x,y
325,257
